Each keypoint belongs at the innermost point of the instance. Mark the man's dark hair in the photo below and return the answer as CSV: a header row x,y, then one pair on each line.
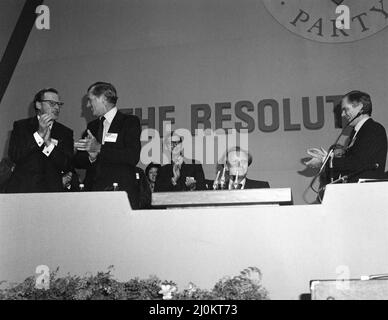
x,y
238,150
104,88
150,166
39,96
360,97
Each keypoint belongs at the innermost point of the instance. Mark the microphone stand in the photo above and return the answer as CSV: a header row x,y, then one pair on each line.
x,y
216,180
331,153
343,179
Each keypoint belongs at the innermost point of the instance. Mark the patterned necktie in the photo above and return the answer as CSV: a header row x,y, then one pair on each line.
x,y
100,129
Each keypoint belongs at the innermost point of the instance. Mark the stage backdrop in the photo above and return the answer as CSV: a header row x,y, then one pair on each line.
x,y
274,67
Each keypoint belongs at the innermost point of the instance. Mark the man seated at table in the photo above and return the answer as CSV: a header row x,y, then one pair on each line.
x,y
181,174
237,163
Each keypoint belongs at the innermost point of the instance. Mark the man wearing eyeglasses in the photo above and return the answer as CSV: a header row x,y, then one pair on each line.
x,y
40,147
181,174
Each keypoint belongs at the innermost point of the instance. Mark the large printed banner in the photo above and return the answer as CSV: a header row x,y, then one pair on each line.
x,y
265,115
264,74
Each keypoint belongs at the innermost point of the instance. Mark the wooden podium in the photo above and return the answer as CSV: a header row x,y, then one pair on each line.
x,y
221,198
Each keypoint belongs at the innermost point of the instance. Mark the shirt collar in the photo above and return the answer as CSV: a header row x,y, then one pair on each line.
x,y
242,183
360,124
110,114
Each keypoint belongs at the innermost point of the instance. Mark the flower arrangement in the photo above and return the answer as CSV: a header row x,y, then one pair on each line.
x,y
246,286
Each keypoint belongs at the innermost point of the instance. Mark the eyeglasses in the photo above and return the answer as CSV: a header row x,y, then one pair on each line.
x,y
53,103
238,162
175,143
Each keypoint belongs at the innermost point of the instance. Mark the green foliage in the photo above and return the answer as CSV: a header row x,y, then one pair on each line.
x,y
102,286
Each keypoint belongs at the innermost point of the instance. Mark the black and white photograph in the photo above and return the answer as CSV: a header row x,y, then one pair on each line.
x,y
204,150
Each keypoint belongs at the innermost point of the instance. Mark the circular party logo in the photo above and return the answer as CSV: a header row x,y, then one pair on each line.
x,y
318,20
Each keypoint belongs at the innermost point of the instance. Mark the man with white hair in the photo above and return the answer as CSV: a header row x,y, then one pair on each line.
x,y
237,163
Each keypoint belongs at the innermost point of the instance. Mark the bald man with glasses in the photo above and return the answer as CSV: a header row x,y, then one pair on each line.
x,y
40,147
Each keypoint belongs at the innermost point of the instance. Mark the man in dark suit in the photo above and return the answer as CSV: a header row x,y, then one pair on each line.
x,y
110,147
237,162
181,174
40,147
366,152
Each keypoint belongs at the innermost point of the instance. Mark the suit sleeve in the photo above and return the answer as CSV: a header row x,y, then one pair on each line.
x,y
62,154
81,158
21,144
364,152
130,154
200,177
163,181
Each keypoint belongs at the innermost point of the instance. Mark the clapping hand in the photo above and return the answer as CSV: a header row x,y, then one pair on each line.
x,y
45,121
89,144
47,137
191,183
66,179
176,171
317,157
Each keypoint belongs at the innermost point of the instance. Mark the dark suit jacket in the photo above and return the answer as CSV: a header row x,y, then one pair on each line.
x,y
117,160
163,180
143,189
369,147
255,184
34,171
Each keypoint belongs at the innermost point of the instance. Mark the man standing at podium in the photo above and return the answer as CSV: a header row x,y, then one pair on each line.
x,y
366,151
110,147
40,147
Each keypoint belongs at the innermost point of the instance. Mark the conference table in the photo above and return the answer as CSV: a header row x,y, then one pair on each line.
x,y
343,237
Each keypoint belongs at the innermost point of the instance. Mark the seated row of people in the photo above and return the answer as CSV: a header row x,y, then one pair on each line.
x,y
183,175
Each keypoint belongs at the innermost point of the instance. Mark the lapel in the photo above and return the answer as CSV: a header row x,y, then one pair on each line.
x,y
34,124
115,126
55,130
93,127
360,132
184,169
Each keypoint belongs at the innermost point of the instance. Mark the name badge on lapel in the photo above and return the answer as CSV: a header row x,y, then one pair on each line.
x,y
110,137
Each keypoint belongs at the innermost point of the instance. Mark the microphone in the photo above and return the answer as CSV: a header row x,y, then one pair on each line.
x,y
222,179
216,180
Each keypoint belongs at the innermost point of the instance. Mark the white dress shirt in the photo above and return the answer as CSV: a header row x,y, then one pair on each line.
x,y
109,116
